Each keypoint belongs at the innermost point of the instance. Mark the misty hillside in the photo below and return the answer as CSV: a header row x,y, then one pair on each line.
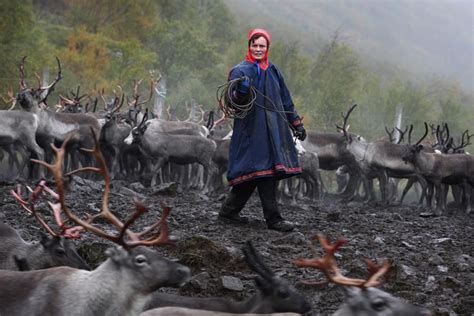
x,y
425,36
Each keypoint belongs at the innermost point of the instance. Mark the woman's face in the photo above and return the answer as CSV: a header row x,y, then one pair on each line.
x,y
258,48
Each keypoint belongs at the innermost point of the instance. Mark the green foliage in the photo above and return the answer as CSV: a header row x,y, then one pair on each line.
x,y
335,78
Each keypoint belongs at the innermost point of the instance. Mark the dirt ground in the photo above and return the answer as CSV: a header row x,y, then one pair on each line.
x,y
433,264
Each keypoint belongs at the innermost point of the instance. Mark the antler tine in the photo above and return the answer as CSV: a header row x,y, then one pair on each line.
x,y
152,88
390,133
119,101
424,135
49,88
97,153
29,205
101,93
38,78
162,238
56,170
345,116
376,272
23,85
328,265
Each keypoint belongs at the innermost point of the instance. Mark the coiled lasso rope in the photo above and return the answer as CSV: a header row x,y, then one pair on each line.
x,y
227,105
232,109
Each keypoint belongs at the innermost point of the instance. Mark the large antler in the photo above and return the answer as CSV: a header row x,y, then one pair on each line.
x,y
345,116
424,135
29,205
60,206
328,266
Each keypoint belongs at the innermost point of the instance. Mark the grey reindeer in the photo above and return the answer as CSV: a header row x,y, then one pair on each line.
x,y
55,249
119,286
274,295
362,298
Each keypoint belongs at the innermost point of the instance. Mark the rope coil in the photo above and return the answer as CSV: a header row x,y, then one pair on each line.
x,y
227,105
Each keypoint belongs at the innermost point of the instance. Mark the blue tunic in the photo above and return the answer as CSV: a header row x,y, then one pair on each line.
x,y
262,143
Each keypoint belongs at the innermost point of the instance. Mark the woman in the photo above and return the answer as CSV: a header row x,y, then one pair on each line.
x,y
262,150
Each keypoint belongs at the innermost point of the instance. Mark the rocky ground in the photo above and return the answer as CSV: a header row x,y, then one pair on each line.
x,y
432,258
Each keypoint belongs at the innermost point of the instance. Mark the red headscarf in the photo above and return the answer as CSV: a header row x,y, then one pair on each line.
x,y
263,63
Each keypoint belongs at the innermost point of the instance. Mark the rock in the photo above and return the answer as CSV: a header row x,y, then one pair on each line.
x,y
409,246
232,283
293,238
137,186
169,189
406,271
442,269
333,216
379,240
435,260
452,283
200,280
441,240
430,284
129,192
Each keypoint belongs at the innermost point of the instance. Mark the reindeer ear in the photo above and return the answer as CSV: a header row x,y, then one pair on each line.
x,y
263,285
116,254
419,147
45,240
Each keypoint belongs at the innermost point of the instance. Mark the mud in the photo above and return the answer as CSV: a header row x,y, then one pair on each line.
x,y
432,258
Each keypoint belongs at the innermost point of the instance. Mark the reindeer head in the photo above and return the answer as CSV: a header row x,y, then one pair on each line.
x,y
30,99
413,149
362,298
147,262
59,250
138,131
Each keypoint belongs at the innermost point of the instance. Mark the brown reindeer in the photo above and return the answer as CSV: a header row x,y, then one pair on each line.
x,y
440,169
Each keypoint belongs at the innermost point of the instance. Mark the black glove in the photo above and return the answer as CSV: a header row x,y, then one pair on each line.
x,y
243,86
300,132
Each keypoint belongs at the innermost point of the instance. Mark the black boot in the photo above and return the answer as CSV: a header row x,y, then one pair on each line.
x,y
267,192
235,202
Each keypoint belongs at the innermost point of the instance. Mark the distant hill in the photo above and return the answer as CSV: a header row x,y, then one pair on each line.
x,y
424,36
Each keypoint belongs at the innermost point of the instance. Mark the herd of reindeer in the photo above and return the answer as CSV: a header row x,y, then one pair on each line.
x,y
49,277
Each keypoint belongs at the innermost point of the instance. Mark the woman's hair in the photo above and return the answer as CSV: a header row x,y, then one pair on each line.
x,y
257,36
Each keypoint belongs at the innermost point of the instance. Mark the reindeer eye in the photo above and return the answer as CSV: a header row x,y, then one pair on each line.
x,y
60,252
140,260
379,304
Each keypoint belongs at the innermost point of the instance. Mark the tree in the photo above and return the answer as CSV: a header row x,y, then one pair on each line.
x,y
335,77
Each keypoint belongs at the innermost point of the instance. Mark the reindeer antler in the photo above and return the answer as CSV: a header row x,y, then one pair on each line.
x,y
60,206
328,266
29,206
345,116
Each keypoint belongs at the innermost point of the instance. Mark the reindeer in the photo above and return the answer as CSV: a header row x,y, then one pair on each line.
x,y
362,297
18,129
48,252
332,153
51,251
440,169
53,126
381,159
127,278
274,294
165,147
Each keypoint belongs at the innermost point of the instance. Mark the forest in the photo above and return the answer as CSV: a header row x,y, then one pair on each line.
x,y
193,45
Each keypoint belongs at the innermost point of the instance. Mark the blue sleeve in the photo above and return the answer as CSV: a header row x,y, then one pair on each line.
x,y
286,100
